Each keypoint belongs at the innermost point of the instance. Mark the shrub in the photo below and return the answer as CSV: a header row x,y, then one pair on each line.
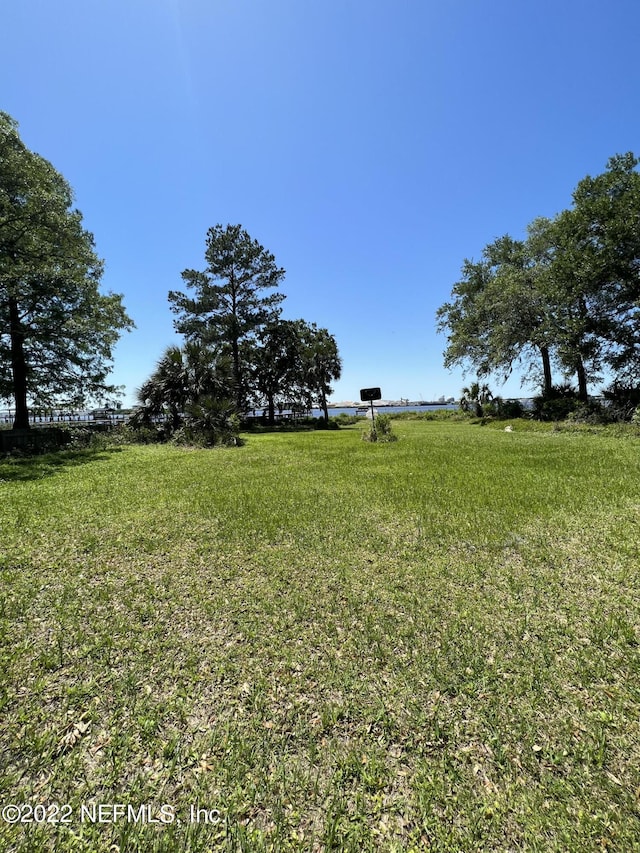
x,y
343,419
190,435
78,438
556,405
320,423
379,430
622,401
504,409
142,434
591,412
209,422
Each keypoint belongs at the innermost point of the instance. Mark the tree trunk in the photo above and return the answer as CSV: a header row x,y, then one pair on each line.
x,y
546,367
272,410
18,366
582,380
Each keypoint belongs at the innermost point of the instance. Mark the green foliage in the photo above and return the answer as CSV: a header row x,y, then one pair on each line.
x,y
229,306
292,365
343,419
321,364
497,318
622,400
557,405
57,331
48,440
188,392
380,429
566,298
129,433
321,423
475,397
276,363
504,409
591,412
209,421
430,415
275,366
554,409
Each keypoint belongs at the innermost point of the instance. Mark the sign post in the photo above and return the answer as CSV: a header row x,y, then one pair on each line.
x,y
368,395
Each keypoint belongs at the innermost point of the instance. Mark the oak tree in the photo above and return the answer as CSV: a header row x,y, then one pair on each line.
x,y
57,330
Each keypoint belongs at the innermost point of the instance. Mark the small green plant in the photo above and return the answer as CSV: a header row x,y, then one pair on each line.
x,y
380,430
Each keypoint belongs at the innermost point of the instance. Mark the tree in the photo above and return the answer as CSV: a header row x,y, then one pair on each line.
x,y
275,364
497,317
57,331
569,293
477,396
230,306
190,384
596,266
167,390
320,363
294,364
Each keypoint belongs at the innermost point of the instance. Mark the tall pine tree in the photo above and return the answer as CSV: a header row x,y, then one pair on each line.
x,y
231,301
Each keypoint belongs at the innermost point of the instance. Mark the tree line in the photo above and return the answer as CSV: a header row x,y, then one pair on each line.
x,y
239,353
57,330
564,301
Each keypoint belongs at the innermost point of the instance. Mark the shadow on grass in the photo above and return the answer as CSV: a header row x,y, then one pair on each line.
x,y
16,468
260,429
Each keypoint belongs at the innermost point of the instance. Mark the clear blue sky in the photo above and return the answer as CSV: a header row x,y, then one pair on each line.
x,y
371,145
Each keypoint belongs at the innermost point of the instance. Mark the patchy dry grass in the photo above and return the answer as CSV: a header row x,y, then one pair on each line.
x,y
426,645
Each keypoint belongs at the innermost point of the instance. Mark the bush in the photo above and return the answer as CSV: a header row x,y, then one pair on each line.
x,y
557,405
209,423
79,438
143,434
320,423
591,412
190,435
430,415
504,409
343,419
380,430
622,401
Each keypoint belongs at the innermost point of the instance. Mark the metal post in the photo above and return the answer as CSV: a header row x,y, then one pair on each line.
x,y
373,423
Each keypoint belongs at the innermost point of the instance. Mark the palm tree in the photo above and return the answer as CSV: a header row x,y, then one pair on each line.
x,y
186,381
166,391
476,396
322,364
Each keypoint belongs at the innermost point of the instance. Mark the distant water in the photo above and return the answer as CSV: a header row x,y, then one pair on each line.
x,y
387,409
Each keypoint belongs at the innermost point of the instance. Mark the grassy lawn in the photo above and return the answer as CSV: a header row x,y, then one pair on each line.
x,y
326,644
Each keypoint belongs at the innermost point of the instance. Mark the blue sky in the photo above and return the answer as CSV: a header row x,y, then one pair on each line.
x,y
371,145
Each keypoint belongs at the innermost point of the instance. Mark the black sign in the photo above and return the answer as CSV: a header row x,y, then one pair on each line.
x,y
368,394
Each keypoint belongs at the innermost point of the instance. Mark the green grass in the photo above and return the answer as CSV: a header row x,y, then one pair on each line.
x,y
338,645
